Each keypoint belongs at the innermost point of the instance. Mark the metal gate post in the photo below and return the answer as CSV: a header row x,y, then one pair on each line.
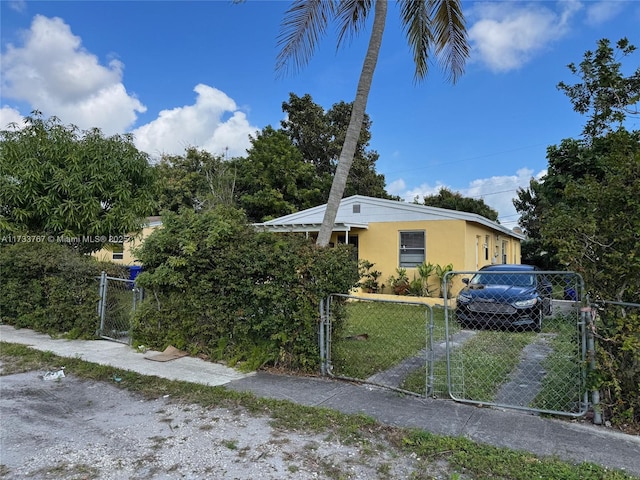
x,y
430,357
591,352
102,303
323,364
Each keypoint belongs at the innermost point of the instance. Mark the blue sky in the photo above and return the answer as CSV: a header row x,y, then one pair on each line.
x,y
180,74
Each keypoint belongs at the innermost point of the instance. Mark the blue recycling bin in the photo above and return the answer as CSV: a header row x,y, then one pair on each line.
x,y
134,270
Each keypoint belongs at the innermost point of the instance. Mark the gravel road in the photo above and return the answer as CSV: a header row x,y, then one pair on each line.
x,y
72,428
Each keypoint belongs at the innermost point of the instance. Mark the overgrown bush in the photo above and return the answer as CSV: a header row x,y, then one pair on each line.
x,y
217,287
618,355
51,288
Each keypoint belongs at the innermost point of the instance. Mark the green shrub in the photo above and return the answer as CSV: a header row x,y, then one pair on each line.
x,y
50,288
216,286
618,356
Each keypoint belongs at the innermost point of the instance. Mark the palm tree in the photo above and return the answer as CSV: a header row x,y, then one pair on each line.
x,y
430,25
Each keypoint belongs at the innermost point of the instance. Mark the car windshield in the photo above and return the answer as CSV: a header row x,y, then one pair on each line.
x,y
510,279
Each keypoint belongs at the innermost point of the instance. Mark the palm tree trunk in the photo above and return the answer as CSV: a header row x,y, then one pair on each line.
x,y
355,124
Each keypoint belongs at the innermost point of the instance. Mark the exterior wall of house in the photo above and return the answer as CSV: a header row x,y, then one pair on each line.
x,y
127,257
455,242
485,246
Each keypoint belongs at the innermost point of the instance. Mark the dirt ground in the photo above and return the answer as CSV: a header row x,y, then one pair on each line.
x,y
71,428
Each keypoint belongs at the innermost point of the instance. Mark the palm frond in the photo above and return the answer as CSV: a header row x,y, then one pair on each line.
x,y
303,25
416,25
351,15
449,36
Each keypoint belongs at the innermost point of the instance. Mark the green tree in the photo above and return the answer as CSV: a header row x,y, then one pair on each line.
x,y
608,97
586,212
273,180
595,229
319,136
58,181
455,201
594,225
196,180
604,93
531,204
432,25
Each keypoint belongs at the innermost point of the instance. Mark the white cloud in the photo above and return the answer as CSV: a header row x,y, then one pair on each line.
x,y
498,192
18,5
10,115
201,125
421,191
505,36
56,75
396,187
53,73
603,11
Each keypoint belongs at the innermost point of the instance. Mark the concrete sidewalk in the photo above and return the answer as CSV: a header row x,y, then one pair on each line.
x,y
569,440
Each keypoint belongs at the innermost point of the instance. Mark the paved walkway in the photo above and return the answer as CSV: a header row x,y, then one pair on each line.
x,y
575,441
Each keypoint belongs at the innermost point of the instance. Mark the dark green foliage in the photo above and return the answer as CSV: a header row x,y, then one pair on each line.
x,y
273,180
604,93
197,180
56,180
455,201
216,286
618,357
584,215
51,288
319,136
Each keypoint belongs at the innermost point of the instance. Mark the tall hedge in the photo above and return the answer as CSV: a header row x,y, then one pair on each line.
x,y
51,288
217,287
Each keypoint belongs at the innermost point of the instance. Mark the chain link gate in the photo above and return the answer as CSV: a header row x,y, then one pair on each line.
x,y
117,302
524,339
379,342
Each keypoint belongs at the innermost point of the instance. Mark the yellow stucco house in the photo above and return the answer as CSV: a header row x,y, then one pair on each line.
x,y
121,253
388,233
393,234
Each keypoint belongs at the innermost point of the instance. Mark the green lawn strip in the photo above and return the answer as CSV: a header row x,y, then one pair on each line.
x,y
463,457
478,367
394,331
488,358
563,384
484,461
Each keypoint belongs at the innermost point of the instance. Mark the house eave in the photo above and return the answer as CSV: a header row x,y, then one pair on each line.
x,y
307,227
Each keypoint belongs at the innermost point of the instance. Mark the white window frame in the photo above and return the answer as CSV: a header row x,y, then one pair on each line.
x,y
410,256
117,255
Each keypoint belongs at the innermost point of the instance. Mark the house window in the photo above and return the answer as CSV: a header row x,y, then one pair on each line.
x,y
117,252
486,247
412,248
356,208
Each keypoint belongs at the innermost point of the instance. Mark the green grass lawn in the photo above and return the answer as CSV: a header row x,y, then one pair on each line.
x,y
563,385
394,331
378,335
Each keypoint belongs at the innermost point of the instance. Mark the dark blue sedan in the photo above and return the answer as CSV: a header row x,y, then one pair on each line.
x,y
512,296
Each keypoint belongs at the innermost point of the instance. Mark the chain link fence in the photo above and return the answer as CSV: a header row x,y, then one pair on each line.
x,y
517,339
379,342
118,300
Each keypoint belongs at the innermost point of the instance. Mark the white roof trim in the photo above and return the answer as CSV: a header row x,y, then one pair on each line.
x,y
310,219
306,227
